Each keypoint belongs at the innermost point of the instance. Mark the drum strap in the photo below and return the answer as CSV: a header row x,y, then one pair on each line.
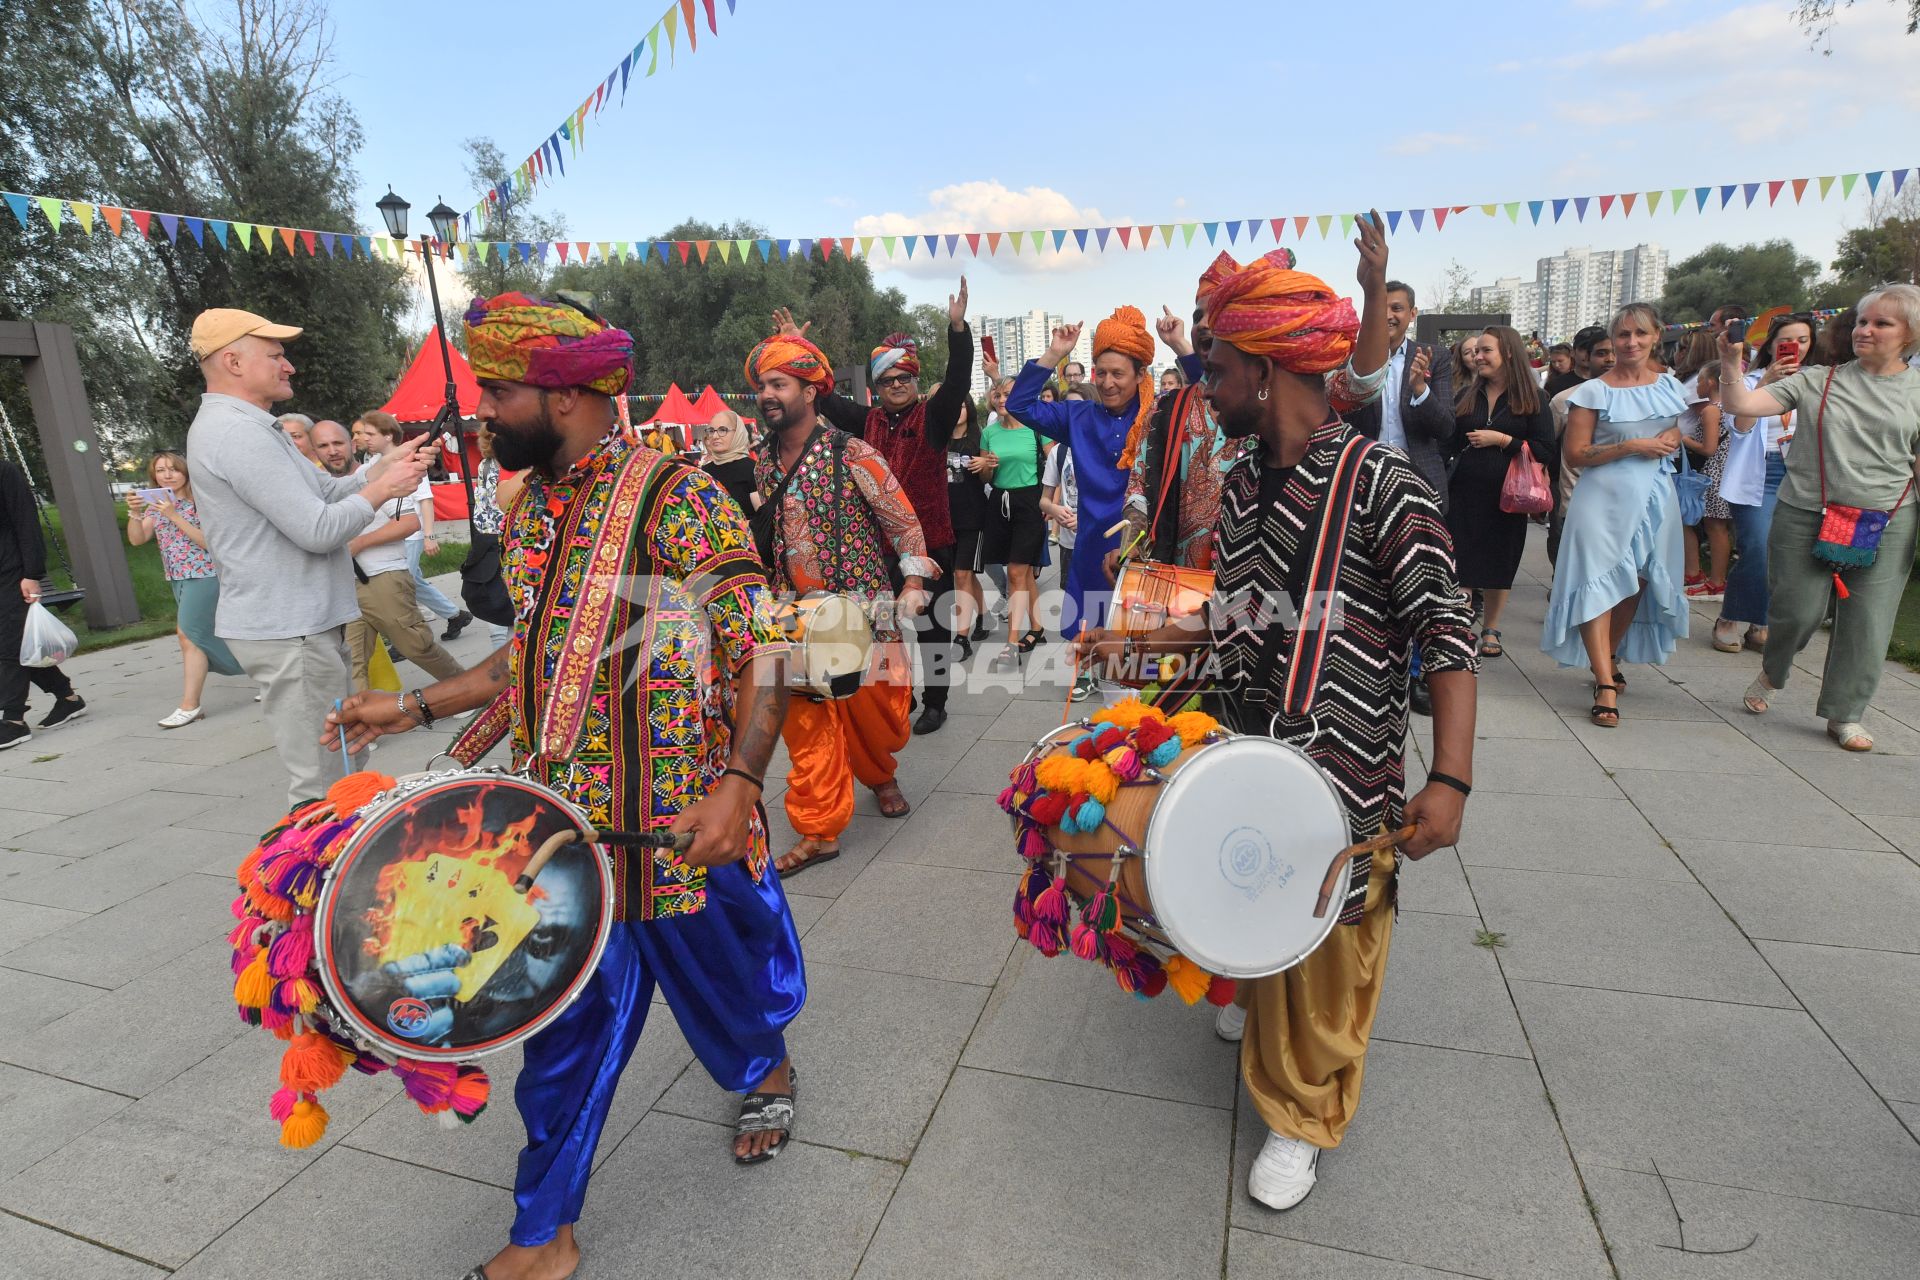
x,y
1322,580
1168,464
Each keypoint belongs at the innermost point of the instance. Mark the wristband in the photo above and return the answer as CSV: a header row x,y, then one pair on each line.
x,y
1448,780
742,773
426,712
401,700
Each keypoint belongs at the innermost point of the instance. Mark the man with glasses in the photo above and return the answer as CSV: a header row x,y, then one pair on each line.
x,y
912,434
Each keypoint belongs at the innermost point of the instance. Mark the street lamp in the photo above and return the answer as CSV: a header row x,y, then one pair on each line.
x,y
446,226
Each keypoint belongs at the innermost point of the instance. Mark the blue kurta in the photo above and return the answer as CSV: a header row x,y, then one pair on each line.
x,y
1097,437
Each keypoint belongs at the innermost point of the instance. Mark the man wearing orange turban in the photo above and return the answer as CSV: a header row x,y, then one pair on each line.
x,y
1276,335
1097,432
834,520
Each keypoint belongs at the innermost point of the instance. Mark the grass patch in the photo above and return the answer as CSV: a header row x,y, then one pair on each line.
x,y
1489,939
1905,646
154,595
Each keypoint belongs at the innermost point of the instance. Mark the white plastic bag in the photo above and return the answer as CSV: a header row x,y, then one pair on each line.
x,y
46,642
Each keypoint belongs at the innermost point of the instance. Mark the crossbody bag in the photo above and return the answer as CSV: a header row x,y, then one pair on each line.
x,y
1849,537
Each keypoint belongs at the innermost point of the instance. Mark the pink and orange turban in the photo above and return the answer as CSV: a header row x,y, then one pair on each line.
x,y
898,351
1266,308
790,354
553,344
1224,265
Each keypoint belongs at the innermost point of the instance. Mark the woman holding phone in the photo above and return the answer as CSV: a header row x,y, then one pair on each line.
x,y
1850,475
1750,484
175,521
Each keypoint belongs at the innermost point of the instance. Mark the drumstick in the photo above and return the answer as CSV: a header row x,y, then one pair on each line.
x,y
1341,859
627,839
346,761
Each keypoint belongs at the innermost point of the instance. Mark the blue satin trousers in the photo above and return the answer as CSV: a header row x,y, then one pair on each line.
x,y
733,976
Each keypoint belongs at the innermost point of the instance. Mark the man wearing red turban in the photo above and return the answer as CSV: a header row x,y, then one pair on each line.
x,y
833,520
1309,483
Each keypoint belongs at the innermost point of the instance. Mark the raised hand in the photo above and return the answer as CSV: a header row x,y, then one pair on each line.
x,y
957,308
784,327
1064,337
1372,244
1173,331
1418,369
991,367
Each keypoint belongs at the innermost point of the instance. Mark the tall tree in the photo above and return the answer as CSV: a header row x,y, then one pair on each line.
x,y
511,220
1885,250
1755,275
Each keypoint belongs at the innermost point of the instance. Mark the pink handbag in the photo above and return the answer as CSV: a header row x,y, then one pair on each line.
x,y
1525,491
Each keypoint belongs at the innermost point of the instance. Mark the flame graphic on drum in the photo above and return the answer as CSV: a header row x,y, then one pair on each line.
x,y
452,884
1248,863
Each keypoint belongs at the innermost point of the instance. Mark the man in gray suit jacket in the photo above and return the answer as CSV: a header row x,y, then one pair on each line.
x,y
1415,410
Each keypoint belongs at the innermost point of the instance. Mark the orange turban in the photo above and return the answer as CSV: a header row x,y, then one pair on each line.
x,y
1223,266
1266,308
1124,331
791,354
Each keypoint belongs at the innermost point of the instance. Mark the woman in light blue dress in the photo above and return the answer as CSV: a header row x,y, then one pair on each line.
x,y
1618,588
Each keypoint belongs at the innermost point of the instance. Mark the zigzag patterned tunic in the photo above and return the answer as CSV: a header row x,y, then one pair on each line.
x,y
1397,587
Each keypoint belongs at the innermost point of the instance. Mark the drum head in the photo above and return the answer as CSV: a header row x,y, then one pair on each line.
x,y
1236,849
423,946
838,637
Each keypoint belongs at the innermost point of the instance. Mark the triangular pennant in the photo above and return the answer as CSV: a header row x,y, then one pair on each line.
x,y
887,243
170,225
973,242
684,248
1750,190
326,242
1534,207
23,209
1080,238
219,230
806,249
766,249
1326,224
113,212
1186,232
1213,231
1700,197
50,205
286,238
1280,229
1014,239
1300,227
846,242
1826,185
1346,224
1233,233
1393,221
606,251
1418,216
1580,207
1773,190
993,243
1059,241
866,246
83,214
1440,219
1490,209
1899,180
563,247
1626,203
693,28
1726,193
671,21
1100,234
703,247
1559,207
1126,236
932,245
1143,235
143,220
910,241
1166,234
583,248
1799,189
826,248
1678,198
1253,229
1846,185
1653,202
653,38
1606,205
726,250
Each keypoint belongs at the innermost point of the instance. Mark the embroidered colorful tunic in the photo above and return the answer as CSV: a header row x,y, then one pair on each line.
x,y
1206,456
1396,588
837,520
637,598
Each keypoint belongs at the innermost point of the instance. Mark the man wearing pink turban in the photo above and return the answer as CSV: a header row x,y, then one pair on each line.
x,y
1310,482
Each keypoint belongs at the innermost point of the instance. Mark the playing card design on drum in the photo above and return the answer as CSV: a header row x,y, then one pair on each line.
x,y
425,934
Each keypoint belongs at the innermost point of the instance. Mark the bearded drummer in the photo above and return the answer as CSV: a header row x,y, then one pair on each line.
x,y
833,508
1276,331
645,682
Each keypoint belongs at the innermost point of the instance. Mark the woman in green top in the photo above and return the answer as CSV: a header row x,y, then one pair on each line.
x,y
1856,443
1016,532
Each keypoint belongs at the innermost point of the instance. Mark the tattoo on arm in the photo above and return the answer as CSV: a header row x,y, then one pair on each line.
x,y
761,705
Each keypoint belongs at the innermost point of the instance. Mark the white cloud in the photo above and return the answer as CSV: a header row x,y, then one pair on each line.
x,y
985,206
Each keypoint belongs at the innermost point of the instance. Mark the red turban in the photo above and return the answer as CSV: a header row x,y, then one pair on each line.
x,y
1268,309
790,354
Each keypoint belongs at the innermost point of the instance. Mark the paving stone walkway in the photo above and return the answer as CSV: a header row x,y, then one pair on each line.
x,y
1694,1052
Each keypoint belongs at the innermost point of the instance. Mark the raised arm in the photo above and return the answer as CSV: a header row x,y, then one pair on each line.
x,y
943,406
1370,349
1023,398
1736,397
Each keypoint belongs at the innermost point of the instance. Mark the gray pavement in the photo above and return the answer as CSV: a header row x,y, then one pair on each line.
x,y
1695,1052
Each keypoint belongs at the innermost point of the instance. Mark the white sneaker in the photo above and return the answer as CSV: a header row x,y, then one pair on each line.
x,y
181,717
1283,1172
1230,1023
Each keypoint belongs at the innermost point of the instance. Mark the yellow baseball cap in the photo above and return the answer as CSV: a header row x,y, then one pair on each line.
x,y
223,326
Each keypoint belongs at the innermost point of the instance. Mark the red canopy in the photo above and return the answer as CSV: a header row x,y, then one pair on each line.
x,y
708,404
675,409
423,387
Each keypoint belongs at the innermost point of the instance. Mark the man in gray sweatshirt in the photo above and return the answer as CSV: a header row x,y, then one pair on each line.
x,y
278,528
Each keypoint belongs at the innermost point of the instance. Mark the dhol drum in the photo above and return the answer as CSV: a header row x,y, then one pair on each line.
x,y
416,925
1191,854
831,641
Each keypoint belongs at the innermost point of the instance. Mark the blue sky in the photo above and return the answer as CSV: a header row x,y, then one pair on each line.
x,y
824,117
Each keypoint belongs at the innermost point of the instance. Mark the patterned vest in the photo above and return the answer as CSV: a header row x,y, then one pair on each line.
x,y
922,471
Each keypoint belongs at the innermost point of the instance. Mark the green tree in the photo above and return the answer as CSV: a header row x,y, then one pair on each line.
x,y
1756,275
1885,250
694,324
512,219
1818,18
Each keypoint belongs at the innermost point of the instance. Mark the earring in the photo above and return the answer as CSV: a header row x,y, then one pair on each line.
x,y
1263,393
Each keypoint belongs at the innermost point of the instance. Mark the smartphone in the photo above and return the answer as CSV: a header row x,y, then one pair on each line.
x,y
986,347
1789,349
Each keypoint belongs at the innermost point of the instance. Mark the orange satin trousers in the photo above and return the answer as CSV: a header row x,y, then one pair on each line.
x,y
832,743
1305,1048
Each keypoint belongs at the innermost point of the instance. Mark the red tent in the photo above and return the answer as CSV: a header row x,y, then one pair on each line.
x,y
675,410
708,404
423,387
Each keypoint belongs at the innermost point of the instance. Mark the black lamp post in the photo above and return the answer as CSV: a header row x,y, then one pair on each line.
x,y
446,225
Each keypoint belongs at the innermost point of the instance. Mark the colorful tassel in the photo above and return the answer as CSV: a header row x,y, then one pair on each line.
x,y
429,1084
1086,943
292,952
1188,980
305,1124
254,987
1088,815
1125,763
311,1063
1128,713
1166,753
280,1105
1033,845
357,790
1048,810
1062,774
471,1090
1102,912
1221,991
1101,783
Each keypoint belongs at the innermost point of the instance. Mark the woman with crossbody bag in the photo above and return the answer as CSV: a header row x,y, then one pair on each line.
x,y
1846,519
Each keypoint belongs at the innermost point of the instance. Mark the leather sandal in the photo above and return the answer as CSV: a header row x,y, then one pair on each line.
x,y
1758,696
810,852
1603,716
1490,646
893,804
1850,734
